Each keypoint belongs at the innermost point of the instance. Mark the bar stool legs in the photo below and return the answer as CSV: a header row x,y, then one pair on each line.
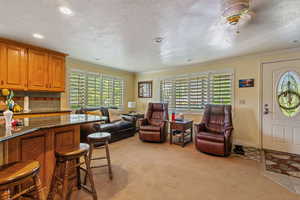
x,y
98,139
38,187
89,174
108,160
5,195
67,169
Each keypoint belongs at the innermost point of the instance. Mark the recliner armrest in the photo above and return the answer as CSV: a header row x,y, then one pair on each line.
x,y
199,127
142,122
228,132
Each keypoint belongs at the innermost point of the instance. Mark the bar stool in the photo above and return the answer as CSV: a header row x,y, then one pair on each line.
x,y
96,141
68,161
15,174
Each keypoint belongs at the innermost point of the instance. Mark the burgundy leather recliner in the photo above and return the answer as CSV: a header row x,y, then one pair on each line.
x,y
154,127
213,134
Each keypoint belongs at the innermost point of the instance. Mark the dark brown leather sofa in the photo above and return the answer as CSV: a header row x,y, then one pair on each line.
x,y
118,130
214,133
154,127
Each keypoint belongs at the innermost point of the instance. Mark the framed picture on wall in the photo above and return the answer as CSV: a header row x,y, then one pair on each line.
x,y
244,83
145,89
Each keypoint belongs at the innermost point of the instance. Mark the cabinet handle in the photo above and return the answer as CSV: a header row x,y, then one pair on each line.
x,y
2,82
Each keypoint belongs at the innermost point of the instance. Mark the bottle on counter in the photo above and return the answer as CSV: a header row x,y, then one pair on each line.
x,y
8,118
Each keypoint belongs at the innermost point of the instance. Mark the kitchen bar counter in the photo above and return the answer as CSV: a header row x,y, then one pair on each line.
x,y
33,112
39,123
39,138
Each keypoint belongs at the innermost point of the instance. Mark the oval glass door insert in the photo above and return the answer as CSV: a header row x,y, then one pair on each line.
x,y
288,93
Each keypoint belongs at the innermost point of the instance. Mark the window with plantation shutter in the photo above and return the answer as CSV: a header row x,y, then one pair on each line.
x,y
77,84
221,88
182,93
89,89
166,92
93,91
112,91
198,92
193,91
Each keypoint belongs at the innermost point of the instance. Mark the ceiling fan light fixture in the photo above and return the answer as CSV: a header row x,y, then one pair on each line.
x,y
235,10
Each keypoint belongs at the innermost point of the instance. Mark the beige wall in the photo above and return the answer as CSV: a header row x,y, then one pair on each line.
x,y
78,64
246,116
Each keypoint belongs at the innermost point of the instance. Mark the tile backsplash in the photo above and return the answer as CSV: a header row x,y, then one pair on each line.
x,y
39,101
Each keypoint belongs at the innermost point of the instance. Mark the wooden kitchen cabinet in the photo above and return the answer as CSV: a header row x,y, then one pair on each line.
x,y
38,71
13,67
57,73
31,68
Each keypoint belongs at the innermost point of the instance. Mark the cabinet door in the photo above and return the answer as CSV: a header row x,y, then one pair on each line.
x,y
38,70
13,67
57,73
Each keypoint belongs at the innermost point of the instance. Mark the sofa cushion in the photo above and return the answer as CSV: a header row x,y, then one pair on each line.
x,y
213,137
116,126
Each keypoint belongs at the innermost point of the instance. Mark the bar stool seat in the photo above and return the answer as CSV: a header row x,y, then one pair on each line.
x,y
68,161
96,140
13,172
71,153
17,173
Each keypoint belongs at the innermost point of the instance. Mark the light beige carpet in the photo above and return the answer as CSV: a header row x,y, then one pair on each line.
x,y
147,171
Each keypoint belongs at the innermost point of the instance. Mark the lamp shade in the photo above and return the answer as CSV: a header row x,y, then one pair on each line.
x,y
131,104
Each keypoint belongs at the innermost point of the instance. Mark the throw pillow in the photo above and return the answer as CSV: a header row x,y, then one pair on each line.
x,y
94,112
114,115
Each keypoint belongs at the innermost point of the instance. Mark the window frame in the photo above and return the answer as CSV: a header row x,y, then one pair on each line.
x,y
195,74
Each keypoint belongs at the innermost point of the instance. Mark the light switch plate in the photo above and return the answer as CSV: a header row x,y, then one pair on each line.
x,y
242,101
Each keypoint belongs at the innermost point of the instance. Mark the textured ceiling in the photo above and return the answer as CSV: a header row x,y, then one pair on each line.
x,y
121,32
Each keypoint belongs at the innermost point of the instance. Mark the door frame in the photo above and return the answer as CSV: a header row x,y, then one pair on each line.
x,y
261,95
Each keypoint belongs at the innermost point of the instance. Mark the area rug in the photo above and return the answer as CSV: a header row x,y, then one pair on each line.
x,y
283,163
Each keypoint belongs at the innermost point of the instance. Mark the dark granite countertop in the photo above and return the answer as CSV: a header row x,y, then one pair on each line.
x,y
38,123
39,112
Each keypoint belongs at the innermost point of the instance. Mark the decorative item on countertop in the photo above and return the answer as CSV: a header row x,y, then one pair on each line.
x,y
8,118
9,94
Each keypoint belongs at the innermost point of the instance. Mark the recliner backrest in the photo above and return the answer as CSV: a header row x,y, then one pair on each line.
x,y
217,118
157,112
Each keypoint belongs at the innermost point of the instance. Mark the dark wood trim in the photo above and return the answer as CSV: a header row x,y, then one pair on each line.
x,y
140,83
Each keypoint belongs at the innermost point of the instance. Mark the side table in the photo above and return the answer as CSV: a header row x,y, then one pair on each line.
x,y
181,127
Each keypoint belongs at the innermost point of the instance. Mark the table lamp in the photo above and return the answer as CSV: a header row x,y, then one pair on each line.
x,y
131,105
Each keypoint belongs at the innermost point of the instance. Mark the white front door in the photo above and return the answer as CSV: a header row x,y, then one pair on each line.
x,y
281,106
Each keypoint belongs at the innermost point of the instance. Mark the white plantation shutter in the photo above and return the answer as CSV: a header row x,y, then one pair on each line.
x,y
118,92
77,89
107,91
182,93
198,92
221,88
94,89
192,92
166,92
